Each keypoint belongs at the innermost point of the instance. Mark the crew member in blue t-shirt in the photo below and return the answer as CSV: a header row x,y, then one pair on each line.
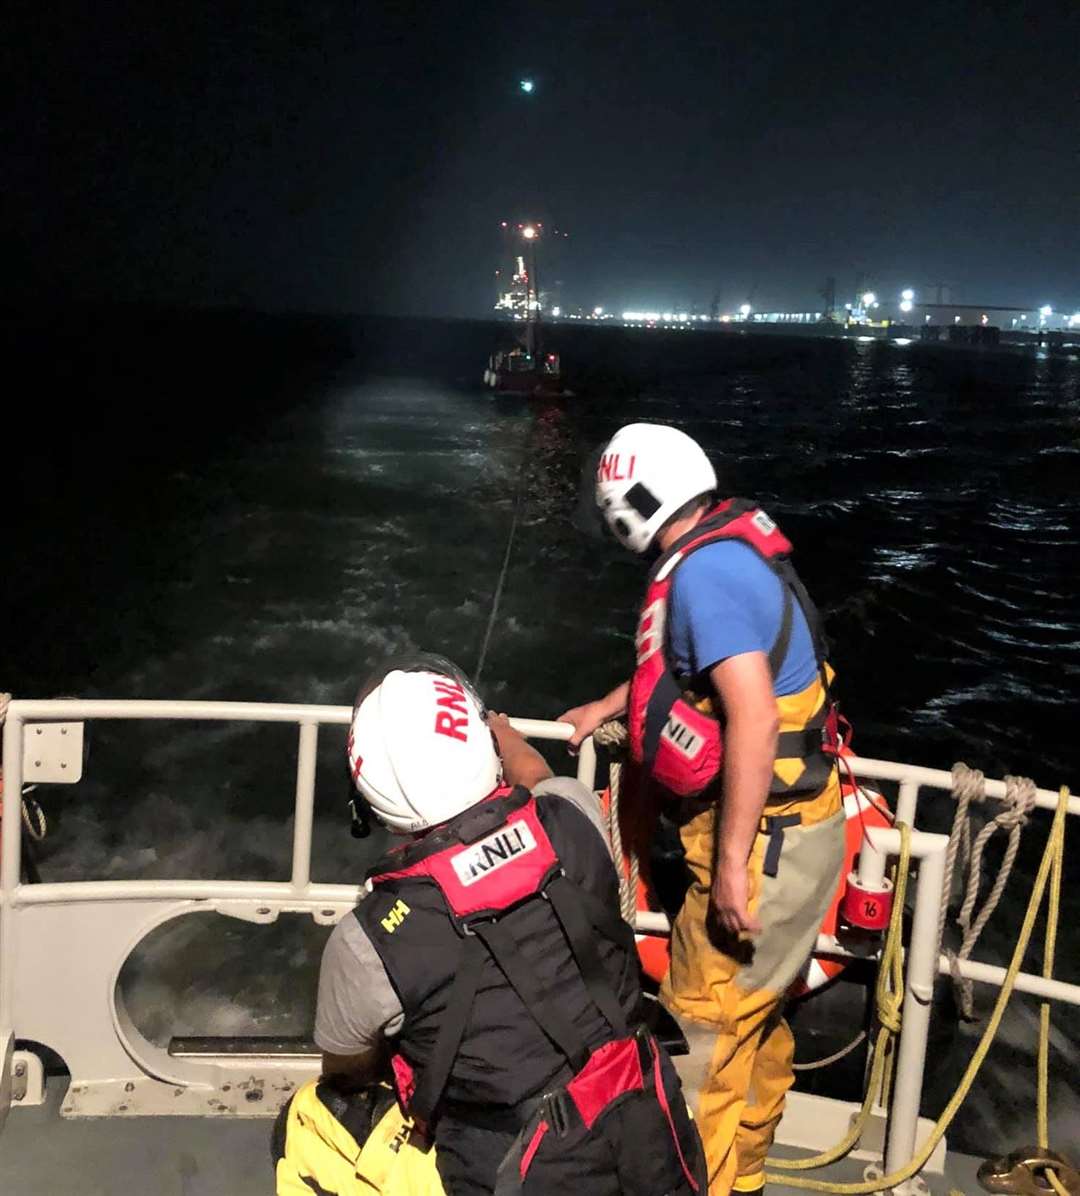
x,y
727,709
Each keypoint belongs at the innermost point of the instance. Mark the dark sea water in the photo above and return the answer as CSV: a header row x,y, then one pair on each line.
x,y
273,537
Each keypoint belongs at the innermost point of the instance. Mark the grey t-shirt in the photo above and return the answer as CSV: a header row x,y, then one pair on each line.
x,y
357,1004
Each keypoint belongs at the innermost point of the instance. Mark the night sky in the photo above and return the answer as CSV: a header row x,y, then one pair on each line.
x,y
341,157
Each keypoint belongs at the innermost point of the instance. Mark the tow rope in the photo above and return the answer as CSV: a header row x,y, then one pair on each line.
x,y
496,597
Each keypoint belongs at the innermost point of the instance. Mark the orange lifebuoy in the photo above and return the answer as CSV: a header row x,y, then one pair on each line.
x,y
863,807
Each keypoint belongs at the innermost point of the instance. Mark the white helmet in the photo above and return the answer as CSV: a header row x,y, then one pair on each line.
x,y
645,473
419,747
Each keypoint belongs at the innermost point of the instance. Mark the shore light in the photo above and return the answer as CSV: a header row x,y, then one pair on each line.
x,y
869,298
907,295
906,305
1046,311
528,232
745,310
527,86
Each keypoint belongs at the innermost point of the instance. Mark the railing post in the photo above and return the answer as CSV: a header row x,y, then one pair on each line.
x,y
922,967
304,811
10,863
586,764
907,802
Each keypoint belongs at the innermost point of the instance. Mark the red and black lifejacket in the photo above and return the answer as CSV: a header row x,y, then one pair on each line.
x,y
501,935
682,744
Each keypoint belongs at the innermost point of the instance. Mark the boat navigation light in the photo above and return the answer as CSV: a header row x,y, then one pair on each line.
x,y
527,86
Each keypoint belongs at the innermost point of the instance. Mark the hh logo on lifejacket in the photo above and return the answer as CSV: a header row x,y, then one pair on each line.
x,y
396,916
679,735
480,859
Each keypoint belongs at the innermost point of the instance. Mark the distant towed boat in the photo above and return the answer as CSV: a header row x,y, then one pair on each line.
x,y
526,369
522,372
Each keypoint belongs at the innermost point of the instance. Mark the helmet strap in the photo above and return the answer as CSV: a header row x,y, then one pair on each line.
x,y
360,818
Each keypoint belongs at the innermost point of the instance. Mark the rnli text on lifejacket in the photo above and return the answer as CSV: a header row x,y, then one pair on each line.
x,y
494,852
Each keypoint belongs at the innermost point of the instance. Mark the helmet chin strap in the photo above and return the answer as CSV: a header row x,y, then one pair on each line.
x,y
360,818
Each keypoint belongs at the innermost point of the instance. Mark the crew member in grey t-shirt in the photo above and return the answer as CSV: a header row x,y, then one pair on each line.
x,y
357,1006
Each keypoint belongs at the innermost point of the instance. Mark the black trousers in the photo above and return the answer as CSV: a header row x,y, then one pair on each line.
x,y
642,1144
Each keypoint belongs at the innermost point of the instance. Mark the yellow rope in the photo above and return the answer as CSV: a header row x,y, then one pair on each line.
x,y
1042,1086
1054,847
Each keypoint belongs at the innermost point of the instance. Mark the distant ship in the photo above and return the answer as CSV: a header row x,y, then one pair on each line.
x,y
525,369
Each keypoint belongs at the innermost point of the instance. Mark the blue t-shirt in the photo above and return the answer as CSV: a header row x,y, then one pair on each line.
x,y
726,601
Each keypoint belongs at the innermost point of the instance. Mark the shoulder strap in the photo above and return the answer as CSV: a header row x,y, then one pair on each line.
x,y
567,901
432,1083
778,652
525,982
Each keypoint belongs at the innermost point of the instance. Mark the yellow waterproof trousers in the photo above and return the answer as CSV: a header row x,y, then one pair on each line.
x,y
728,994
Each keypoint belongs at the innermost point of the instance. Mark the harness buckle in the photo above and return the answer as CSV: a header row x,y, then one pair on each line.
x,y
556,1112
558,874
465,925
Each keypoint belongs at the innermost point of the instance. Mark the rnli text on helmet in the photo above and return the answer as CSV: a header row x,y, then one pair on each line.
x,y
453,702
608,470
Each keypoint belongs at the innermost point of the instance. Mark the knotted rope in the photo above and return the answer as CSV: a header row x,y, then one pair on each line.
x,y
969,785
612,736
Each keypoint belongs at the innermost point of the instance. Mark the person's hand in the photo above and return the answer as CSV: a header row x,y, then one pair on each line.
x,y
501,728
731,900
584,719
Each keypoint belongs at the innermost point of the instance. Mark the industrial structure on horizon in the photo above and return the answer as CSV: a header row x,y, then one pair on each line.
x,y
519,295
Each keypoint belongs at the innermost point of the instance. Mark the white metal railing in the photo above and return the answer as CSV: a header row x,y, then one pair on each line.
x,y
13,893
148,898
85,930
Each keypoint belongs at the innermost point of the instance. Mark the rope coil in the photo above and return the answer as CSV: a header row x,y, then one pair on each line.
x,y
613,737
969,786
